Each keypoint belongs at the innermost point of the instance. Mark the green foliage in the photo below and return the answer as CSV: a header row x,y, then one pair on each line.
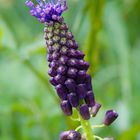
x,y
107,31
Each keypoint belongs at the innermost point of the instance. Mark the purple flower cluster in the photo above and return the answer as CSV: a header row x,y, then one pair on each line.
x,y
68,70
67,67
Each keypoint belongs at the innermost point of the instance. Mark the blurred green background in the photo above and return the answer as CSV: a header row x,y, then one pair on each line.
x,y
108,31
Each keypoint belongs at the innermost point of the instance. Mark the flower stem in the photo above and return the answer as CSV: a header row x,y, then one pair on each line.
x,y
87,129
98,126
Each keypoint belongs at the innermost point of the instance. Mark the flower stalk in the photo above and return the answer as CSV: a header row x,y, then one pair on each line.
x,y
87,129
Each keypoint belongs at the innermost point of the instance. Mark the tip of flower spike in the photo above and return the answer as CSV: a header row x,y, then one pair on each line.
x,y
46,11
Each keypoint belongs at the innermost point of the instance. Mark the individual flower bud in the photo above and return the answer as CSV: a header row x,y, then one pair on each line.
x,y
56,39
74,135
62,70
63,60
73,99
63,34
64,26
88,82
49,57
53,81
110,117
81,75
69,35
56,48
72,72
60,79
95,109
80,55
72,62
29,3
66,107
56,32
63,41
60,19
75,45
49,43
70,135
53,64
50,50
64,135
61,91
71,85
90,101
64,50
84,111
52,72
83,64
76,53
70,43
55,56
81,91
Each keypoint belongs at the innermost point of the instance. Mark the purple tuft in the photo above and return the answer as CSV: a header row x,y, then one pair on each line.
x,y
47,11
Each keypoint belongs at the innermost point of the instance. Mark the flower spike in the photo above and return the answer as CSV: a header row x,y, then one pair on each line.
x,y
47,11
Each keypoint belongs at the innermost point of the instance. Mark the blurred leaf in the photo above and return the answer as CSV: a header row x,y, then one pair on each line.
x,y
132,133
6,36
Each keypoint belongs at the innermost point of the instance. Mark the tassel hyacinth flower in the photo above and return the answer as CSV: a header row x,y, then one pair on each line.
x,y
67,67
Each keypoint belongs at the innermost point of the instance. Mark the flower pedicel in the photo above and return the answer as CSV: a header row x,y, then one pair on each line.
x,y
67,67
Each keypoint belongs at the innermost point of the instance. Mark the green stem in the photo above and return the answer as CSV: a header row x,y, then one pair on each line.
x,y
87,129
98,126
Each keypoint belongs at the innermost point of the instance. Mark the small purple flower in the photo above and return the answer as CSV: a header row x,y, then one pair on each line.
x,y
84,111
70,84
72,72
90,101
61,91
70,135
73,99
110,117
81,91
95,109
66,107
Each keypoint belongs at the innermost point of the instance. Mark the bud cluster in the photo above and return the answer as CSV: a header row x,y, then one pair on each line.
x,y
68,70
